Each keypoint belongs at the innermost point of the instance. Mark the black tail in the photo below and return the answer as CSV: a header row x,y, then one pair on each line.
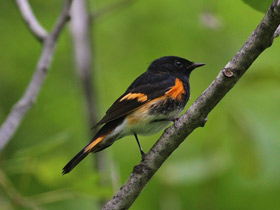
x,y
75,160
93,145
90,147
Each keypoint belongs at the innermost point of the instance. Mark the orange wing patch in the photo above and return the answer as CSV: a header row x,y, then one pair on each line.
x,y
139,96
177,90
94,143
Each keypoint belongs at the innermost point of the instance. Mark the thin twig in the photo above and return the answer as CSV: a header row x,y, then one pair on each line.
x,y
110,8
53,196
32,23
80,29
196,115
16,115
83,54
15,196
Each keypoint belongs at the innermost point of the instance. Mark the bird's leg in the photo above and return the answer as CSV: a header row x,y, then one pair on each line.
x,y
139,145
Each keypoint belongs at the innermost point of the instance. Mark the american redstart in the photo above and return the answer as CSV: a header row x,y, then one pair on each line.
x,y
150,103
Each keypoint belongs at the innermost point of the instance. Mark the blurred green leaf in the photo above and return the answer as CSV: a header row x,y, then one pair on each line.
x,y
260,5
195,171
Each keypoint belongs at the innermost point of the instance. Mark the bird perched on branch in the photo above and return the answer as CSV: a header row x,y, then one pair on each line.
x,y
151,102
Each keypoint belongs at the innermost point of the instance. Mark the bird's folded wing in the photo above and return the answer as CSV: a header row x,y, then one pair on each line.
x,y
138,94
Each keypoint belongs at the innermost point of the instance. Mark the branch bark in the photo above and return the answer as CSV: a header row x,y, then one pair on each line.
x,y
32,23
196,116
16,115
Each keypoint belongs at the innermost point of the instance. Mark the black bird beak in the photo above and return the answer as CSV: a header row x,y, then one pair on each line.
x,y
195,65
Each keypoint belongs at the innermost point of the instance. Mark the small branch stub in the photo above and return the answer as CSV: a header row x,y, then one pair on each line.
x,y
227,72
203,122
277,32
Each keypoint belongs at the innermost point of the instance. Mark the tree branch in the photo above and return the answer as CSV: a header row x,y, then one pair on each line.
x,y
32,23
80,30
83,53
196,115
14,118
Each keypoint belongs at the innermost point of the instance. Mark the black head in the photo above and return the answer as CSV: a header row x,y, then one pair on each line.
x,y
173,64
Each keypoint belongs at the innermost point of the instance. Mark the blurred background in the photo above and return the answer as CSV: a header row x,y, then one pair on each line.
x,y
232,163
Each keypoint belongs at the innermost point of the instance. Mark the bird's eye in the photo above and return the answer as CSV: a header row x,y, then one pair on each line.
x,y
178,64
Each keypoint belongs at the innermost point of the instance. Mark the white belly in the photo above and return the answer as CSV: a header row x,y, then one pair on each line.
x,y
142,123
145,124
152,128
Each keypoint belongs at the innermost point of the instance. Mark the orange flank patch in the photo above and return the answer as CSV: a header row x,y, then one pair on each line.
x,y
132,119
94,143
141,97
143,112
177,90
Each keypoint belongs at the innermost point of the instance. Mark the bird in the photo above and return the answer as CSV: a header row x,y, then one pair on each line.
x,y
152,102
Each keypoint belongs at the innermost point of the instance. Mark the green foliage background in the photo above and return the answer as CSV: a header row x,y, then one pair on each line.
x,y
260,5
231,163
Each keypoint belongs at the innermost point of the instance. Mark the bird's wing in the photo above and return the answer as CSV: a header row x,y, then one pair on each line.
x,y
144,89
